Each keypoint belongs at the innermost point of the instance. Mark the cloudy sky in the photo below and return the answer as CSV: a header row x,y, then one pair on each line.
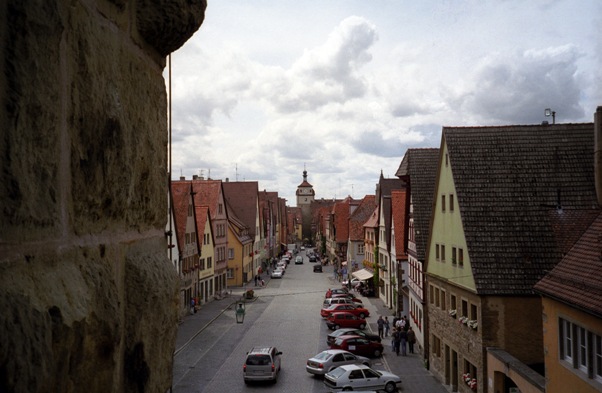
x,y
344,87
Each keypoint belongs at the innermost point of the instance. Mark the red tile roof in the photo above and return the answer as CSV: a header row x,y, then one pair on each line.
x,y
180,199
576,279
359,217
400,210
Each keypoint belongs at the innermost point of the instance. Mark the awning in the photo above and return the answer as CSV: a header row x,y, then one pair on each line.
x,y
362,274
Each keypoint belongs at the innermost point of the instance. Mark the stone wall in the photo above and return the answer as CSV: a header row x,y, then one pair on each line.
x,y
88,297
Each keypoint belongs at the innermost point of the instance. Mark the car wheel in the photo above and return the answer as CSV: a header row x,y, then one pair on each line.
x,y
336,327
377,353
362,315
390,387
362,326
347,389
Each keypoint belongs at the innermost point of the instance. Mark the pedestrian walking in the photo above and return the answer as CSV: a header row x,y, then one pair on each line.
x,y
381,325
387,326
411,339
256,279
396,340
403,339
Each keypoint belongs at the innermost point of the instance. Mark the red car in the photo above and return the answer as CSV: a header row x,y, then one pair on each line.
x,y
358,345
338,320
346,307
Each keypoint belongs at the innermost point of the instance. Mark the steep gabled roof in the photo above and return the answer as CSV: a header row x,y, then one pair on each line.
x,y
576,279
383,192
180,199
341,211
400,209
201,216
419,170
207,192
359,217
506,180
241,197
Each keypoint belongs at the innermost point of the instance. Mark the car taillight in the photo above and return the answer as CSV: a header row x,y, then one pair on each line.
x,y
320,365
273,367
244,368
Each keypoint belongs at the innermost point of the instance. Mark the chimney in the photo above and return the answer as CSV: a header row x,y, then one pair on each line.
x,y
598,153
182,177
195,177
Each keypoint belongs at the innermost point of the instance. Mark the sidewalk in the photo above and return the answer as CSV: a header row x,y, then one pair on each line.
x,y
414,376
192,325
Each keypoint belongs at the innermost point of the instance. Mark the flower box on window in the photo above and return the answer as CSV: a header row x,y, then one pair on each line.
x,y
463,320
452,313
473,324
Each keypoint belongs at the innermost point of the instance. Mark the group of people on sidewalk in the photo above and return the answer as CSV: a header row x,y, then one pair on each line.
x,y
401,334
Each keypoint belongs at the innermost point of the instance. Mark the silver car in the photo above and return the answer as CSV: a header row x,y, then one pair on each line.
x,y
277,273
262,364
360,377
330,359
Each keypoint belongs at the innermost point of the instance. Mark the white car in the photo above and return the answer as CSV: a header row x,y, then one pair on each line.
x,y
281,265
361,377
330,359
277,273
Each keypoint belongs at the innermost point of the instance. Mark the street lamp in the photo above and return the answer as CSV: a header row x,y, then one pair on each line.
x,y
548,112
240,312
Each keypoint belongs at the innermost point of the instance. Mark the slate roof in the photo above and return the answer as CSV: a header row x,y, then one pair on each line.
x,y
241,197
576,279
400,210
359,217
507,178
418,169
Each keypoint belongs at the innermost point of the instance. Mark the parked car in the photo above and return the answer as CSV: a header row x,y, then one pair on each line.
x,y
348,296
313,258
281,265
353,283
339,320
334,291
298,260
317,268
356,377
351,331
346,307
262,364
330,359
358,345
338,300
277,273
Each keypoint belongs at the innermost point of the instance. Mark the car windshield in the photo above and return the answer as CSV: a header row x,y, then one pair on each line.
x,y
336,373
323,356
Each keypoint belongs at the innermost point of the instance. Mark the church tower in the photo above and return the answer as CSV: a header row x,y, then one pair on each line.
x,y
305,197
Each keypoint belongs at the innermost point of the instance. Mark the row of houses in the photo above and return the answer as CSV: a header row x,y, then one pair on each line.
x,y
492,246
221,234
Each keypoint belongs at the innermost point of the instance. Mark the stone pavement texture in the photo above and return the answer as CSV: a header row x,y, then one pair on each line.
x,y
415,377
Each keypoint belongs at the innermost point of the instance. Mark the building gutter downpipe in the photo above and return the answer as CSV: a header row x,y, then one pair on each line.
x,y
598,153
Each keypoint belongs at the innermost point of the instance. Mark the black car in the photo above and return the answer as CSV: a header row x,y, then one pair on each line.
x,y
347,331
313,258
317,268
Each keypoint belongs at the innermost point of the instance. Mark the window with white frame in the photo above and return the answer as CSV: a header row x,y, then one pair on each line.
x,y
360,249
581,349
